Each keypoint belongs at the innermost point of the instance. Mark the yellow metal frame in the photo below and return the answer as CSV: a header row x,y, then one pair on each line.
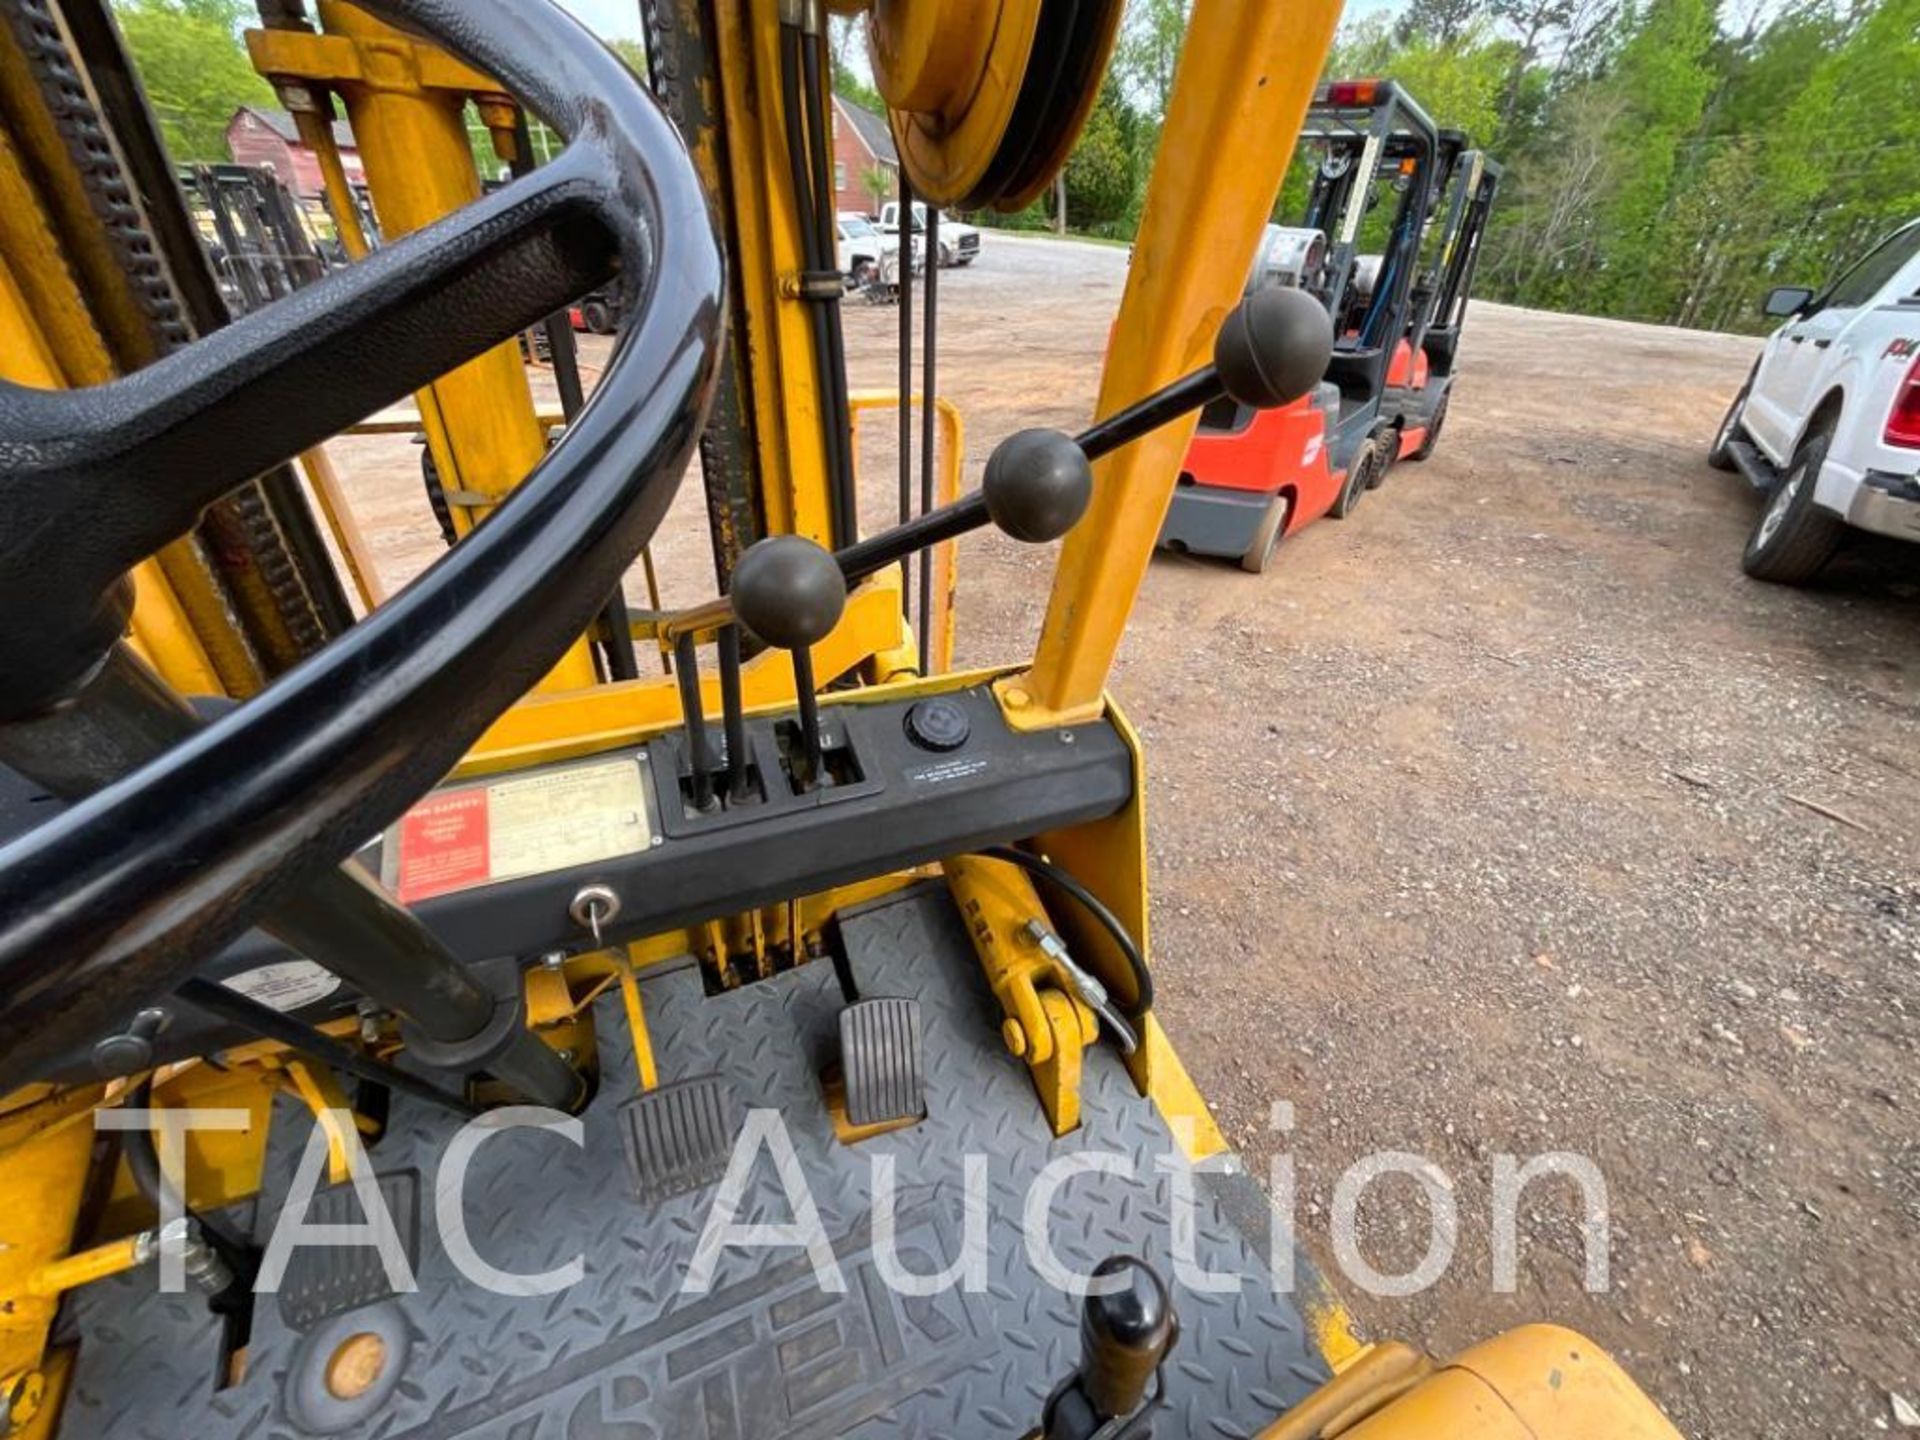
x,y
777,338
1244,70
950,451
406,101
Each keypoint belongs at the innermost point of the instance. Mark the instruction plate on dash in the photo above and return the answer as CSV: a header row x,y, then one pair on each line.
x,y
505,829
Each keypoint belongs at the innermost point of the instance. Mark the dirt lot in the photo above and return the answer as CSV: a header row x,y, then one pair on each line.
x,y
1486,823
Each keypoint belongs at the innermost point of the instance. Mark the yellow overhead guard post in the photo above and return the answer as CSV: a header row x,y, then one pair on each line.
x,y
1245,70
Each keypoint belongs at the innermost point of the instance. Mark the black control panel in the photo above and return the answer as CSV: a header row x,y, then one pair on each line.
x,y
497,866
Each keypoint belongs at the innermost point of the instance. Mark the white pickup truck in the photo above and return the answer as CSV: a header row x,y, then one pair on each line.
x,y
959,241
1828,423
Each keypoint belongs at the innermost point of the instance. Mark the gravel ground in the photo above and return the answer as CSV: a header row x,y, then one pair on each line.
x,y
1508,817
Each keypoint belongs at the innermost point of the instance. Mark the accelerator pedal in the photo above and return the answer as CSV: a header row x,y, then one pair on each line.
x,y
323,1281
881,1060
680,1135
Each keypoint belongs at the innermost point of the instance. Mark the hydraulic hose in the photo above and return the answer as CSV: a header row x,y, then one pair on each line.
x,y
1142,1001
814,213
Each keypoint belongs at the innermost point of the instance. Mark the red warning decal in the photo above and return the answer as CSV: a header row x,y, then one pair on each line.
x,y
444,845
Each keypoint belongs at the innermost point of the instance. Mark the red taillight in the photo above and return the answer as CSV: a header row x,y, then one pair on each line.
x,y
1353,92
1903,423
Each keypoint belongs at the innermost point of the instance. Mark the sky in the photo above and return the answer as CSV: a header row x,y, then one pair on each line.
x,y
609,19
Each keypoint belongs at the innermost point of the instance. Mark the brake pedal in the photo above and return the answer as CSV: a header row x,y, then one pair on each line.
x,y
880,1059
679,1135
322,1281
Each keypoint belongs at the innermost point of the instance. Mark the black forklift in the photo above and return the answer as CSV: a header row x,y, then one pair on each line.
x,y
1471,179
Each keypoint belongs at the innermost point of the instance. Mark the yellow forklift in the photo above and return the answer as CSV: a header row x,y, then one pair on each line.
x,y
417,1021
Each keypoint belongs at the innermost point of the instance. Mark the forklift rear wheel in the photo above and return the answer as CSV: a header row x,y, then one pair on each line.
x,y
1266,539
1719,454
1794,537
598,316
1432,437
1359,481
437,496
1386,450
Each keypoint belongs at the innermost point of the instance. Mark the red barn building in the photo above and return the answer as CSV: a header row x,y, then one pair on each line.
x,y
268,137
861,141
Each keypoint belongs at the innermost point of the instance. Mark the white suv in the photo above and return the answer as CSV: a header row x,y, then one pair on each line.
x,y
1828,423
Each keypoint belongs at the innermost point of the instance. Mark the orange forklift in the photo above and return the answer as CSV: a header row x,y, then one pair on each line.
x,y
1394,215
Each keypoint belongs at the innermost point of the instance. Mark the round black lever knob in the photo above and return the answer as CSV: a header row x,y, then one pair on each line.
x,y
1037,485
1274,347
788,591
1124,1334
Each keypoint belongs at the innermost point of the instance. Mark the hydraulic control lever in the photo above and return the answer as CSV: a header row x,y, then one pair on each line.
x,y
1272,349
1127,1330
789,592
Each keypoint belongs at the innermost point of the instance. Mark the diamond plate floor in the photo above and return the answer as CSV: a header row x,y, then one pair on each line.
x,y
622,1355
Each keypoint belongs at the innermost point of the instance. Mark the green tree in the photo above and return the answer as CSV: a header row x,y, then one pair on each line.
x,y
846,50
1101,173
1662,81
1439,22
1841,156
1151,33
634,53
194,68
879,184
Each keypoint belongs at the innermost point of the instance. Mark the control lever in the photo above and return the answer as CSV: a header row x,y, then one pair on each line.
x,y
1272,349
686,671
790,592
1127,1329
733,714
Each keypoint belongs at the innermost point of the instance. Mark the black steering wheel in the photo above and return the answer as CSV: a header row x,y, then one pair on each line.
x,y
113,902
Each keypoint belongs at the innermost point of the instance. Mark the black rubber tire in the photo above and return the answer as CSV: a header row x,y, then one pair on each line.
x,y
597,315
1273,525
1793,537
1718,455
1359,481
1386,451
1432,437
437,496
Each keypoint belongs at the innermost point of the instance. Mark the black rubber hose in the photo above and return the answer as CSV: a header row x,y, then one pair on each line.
x,y
270,1024
929,347
826,226
903,235
1142,1001
143,1168
793,106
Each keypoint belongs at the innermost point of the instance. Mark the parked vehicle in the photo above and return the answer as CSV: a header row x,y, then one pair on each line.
x,y
597,313
1828,423
862,247
260,242
1252,477
959,242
